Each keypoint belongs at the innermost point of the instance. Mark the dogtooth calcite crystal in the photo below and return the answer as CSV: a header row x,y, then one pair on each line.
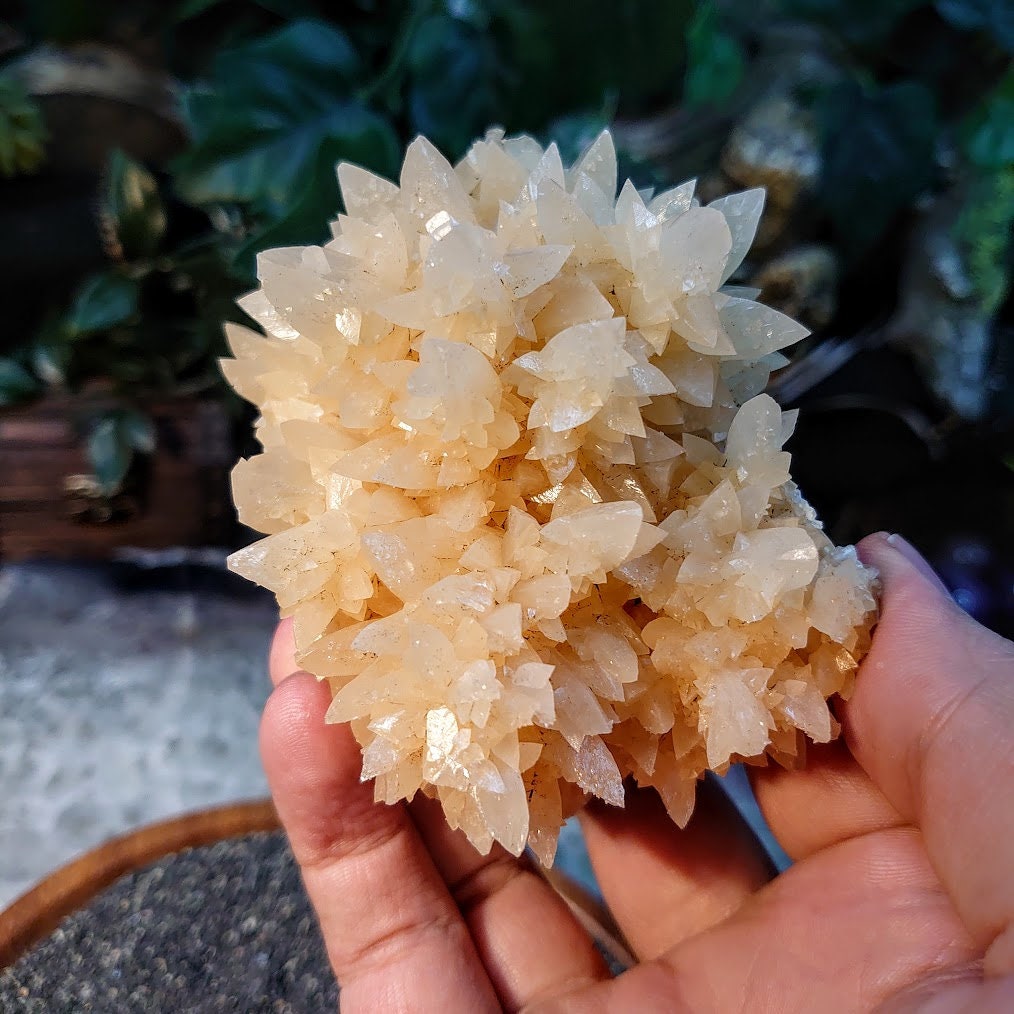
x,y
523,494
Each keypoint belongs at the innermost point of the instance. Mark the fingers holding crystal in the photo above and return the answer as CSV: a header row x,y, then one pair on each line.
x,y
844,931
663,884
503,410
392,931
930,722
829,800
497,895
502,899
282,653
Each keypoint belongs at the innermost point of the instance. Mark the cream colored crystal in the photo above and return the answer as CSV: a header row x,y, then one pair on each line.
x,y
524,497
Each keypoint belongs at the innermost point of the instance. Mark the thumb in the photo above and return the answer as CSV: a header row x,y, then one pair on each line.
x,y
932,723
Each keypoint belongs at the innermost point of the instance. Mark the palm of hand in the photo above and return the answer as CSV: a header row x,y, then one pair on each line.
x,y
900,895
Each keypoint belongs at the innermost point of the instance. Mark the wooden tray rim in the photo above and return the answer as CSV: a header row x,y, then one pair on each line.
x,y
37,912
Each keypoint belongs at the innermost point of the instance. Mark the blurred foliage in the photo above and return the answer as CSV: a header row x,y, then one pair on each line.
x,y
16,383
909,100
984,230
878,146
716,60
22,131
113,440
136,217
993,16
987,223
270,123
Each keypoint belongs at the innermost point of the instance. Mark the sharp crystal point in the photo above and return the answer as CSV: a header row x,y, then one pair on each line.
x,y
522,529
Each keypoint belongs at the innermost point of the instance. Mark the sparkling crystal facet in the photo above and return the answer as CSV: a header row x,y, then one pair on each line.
x,y
523,496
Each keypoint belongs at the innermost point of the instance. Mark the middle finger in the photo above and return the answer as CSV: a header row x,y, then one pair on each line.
x,y
663,884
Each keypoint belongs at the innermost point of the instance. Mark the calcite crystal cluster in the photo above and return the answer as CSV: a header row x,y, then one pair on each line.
x,y
523,496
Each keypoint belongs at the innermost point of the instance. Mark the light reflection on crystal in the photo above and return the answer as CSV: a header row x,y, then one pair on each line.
x,y
524,498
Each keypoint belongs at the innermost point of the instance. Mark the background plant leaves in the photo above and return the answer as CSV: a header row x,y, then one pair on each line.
x,y
17,385
109,453
862,23
303,220
985,230
104,301
878,151
993,16
563,59
989,131
452,95
138,430
22,130
52,353
275,106
134,206
114,439
715,60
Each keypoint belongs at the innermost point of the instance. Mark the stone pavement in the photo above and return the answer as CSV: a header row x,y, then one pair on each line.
x,y
120,706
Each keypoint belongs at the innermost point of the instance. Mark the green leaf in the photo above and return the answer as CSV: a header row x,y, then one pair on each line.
x,y
52,354
985,231
109,452
103,302
132,201
276,105
16,383
138,430
50,362
715,60
563,57
303,220
114,439
452,93
989,132
993,16
878,152
22,130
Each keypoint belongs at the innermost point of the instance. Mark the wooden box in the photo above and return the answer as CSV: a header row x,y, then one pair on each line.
x,y
178,496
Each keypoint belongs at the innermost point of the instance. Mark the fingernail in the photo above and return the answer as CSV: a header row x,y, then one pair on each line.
x,y
914,557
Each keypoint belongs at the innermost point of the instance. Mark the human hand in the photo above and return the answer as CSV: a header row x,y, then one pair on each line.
x,y
901,897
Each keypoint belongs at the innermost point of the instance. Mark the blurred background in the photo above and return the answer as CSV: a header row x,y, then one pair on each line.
x,y
148,152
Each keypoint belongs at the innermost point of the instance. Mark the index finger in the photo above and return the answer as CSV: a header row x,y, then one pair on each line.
x,y
282,654
394,936
932,723
313,769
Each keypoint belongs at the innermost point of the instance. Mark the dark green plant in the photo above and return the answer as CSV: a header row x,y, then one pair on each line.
x,y
716,60
275,93
269,127
22,131
986,226
879,155
147,328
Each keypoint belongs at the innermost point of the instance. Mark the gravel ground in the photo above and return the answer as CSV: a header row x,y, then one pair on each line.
x,y
225,928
